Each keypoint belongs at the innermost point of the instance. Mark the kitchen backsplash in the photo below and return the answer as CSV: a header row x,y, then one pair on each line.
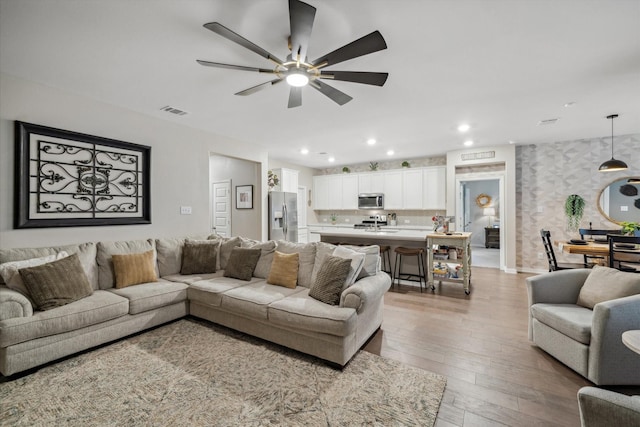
x,y
422,218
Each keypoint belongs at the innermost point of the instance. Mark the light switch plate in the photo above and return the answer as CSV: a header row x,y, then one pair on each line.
x,y
624,208
185,210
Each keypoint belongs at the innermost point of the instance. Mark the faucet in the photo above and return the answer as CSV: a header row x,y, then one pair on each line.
x,y
375,223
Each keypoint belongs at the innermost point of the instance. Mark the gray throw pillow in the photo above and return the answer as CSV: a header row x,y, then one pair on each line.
x,y
56,283
330,279
199,256
241,263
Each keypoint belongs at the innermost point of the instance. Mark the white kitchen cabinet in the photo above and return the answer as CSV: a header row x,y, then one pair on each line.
x,y
392,190
349,192
320,192
303,235
371,182
434,188
288,180
412,185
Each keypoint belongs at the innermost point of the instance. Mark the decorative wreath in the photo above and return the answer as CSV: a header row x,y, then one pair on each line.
x,y
483,200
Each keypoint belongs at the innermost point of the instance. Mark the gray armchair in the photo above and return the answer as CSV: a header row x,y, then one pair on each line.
x,y
603,408
588,341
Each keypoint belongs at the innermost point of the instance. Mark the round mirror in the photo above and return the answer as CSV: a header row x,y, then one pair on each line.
x,y
620,200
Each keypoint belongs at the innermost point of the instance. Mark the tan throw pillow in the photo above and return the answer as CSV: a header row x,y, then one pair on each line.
x,y
133,269
241,263
199,256
56,283
330,280
284,270
604,284
11,275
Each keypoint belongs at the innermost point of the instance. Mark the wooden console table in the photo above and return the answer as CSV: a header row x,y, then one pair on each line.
x,y
455,240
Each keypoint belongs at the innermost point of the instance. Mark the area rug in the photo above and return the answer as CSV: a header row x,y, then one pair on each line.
x,y
193,373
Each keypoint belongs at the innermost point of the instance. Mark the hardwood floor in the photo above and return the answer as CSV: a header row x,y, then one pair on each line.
x,y
495,376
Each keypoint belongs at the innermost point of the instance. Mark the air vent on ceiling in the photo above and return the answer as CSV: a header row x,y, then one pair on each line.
x,y
172,110
548,121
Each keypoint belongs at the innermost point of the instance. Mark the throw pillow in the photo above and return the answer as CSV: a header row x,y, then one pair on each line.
x,y
371,264
306,259
133,269
330,280
322,250
357,260
11,275
284,270
266,256
241,263
604,284
199,256
226,246
56,283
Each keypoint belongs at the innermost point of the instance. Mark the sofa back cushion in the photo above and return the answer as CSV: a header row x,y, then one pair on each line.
x,y
371,265
306,259
106,250
86,254
169,252
604,284
357,260
226,246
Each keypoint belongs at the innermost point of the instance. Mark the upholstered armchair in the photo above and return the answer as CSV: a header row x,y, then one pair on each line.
x,y
604,408
588,340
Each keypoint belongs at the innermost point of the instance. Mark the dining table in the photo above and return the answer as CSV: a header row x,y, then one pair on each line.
x,y
590,248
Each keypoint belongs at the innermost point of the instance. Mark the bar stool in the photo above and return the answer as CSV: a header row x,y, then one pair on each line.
x,y
421,276
386,259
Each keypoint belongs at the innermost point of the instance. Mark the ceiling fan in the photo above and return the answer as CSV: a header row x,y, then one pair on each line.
x,y
297,71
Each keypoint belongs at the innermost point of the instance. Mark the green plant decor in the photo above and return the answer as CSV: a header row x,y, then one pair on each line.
x,y
574,209
346,170
630,228
405,164
373,166
272,180
333,218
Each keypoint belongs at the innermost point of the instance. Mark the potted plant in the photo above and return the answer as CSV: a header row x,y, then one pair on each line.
x,y
574,209
334,218
373,166
405,164
346,170
272,180
630,228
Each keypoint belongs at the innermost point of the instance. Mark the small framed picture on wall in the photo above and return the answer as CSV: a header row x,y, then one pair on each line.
x,y
244,196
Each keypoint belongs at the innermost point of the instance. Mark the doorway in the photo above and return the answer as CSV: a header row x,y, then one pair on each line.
x,y
479,210
221,209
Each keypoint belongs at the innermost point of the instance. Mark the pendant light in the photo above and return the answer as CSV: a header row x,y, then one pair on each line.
x,y
612,164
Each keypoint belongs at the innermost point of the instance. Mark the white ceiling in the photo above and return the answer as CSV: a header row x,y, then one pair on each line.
x,y
499,65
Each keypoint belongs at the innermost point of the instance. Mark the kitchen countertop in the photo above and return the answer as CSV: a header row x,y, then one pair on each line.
x,y
412,235
426,228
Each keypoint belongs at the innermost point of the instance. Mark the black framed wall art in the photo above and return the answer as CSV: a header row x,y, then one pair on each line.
x,y
69,179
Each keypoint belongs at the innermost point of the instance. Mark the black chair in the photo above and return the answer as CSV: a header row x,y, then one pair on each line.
x,y
596,235
622,256
554,265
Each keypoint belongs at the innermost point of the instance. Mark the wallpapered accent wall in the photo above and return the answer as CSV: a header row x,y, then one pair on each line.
x,y
547,173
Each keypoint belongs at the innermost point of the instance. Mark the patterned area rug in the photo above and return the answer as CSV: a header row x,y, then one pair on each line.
x,y
192,373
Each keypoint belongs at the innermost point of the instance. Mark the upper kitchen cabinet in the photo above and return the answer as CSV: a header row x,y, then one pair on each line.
x,y
412,189
393,190
321,192
288,180
434,188
371,182
350,191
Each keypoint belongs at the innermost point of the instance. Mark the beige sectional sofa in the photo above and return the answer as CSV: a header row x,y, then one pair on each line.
x,y
286,316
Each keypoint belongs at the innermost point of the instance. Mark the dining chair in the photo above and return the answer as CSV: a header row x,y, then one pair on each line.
x,y
554,265
621,255
596,235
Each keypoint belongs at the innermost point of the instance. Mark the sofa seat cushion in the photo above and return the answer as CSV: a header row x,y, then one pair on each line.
x,y
210,291
252,300
96,308
192,278
304,312
152,295
569,319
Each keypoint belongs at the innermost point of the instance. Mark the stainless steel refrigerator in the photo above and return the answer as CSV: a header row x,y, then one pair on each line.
x,y
283,216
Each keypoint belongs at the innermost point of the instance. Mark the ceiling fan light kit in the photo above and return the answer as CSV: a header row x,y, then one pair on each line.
x,y
612,164
297,71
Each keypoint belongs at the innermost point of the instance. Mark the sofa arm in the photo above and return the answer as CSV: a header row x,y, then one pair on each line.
x,y
366,290
610,361
13,304
601,408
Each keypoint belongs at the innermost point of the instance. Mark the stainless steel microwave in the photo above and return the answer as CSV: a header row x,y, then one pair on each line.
x,y
370,201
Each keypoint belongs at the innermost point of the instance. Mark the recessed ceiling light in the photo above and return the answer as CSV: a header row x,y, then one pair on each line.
x,y
390,153
304,151
511,141
332,159
371,141
468,143
463,128
570,104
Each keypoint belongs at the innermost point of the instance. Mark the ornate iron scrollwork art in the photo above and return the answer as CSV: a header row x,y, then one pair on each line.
x,y
69,179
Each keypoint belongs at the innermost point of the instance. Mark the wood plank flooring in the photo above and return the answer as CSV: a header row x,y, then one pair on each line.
x,y
495,376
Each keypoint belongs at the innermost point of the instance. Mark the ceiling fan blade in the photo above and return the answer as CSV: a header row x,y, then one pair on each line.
x,y
364,77
337,96
370,43
295,97
258,88
220,29
234,67
301,16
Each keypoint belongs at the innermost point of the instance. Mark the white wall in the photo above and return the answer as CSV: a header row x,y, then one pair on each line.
x,y
179,162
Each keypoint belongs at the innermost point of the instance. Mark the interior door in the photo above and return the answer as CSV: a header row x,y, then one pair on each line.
x,y
221,221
